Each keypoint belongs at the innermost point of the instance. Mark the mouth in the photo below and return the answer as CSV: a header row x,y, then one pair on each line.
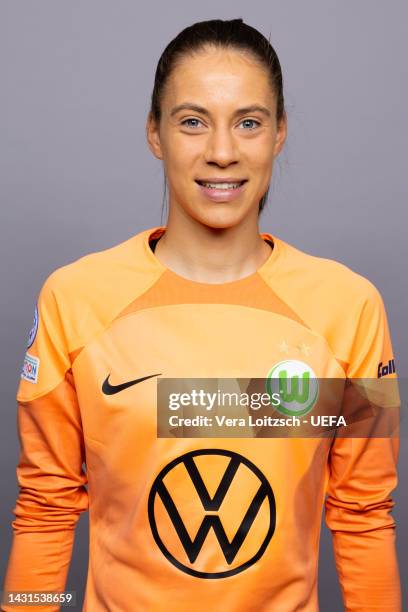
x,y
221,189
221,184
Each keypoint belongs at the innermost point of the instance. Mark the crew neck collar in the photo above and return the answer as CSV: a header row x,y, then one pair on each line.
x,y
264,270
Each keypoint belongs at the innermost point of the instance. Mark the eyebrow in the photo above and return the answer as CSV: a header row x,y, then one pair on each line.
x,y
200,109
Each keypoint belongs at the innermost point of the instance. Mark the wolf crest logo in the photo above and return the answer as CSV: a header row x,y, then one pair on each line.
x,y
296,384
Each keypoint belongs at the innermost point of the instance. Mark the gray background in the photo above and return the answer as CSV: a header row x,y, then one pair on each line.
x,y
76,175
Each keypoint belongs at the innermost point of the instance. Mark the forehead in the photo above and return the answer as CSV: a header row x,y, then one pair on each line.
x,y
212,76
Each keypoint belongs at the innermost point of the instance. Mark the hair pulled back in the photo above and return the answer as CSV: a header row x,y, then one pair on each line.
x,y
228,34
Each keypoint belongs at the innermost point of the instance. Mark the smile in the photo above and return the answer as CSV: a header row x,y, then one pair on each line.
x,y
219,185
220,189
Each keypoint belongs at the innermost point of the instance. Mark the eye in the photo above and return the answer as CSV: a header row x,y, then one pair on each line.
x,y
251,123
191,122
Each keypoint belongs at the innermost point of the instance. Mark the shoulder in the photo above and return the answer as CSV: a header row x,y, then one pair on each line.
x,y
338,303
330,298
89,268
327,279
89,292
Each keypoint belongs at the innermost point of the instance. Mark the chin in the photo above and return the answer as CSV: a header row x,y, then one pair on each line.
x,y
219,219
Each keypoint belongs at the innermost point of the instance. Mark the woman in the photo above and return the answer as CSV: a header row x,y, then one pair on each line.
x,y
184,522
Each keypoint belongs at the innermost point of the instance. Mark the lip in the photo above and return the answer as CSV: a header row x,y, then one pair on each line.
x,y
221,195
221,179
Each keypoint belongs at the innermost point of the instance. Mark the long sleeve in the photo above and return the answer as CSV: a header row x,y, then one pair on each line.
x,y
52,483
363,473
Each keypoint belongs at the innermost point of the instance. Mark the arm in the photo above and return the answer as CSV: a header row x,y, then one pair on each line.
x,y
363,473
51,479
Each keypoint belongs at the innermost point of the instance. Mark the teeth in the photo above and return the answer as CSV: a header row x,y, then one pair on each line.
x,y
222,185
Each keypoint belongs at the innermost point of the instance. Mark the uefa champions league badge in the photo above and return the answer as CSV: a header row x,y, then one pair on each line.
x,y
33,330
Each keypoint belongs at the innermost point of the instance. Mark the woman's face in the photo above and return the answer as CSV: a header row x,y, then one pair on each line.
x,y
218,124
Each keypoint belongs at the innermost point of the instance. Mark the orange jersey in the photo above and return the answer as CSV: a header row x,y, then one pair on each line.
x,y
180,524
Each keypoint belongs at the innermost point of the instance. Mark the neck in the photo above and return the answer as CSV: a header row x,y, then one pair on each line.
x,y
211,255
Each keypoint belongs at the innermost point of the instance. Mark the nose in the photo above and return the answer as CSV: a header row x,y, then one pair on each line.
x,y
221,148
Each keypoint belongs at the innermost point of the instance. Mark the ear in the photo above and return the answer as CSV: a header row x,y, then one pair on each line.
x,y
153,137
281,135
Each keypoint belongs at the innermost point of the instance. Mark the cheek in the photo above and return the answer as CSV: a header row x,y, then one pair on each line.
x,y
182,156
185,146
180,166
258,152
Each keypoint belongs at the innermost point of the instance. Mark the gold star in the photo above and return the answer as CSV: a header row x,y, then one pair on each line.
x,y
304,349
284,347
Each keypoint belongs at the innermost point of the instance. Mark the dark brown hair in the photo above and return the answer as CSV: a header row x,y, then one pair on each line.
x,y
233,34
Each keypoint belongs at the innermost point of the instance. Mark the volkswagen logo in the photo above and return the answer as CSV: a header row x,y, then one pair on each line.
x,y
198,509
